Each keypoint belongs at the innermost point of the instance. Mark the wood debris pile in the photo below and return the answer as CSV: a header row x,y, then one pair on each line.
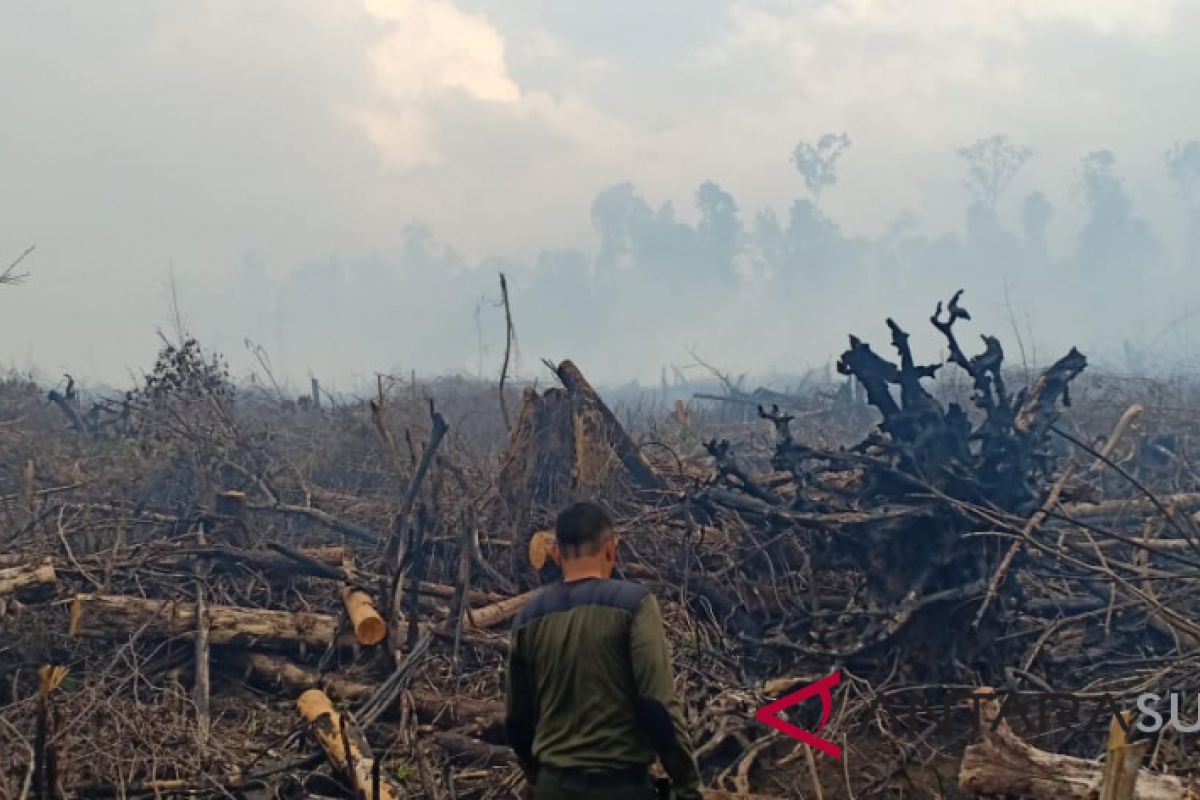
x,y
211,591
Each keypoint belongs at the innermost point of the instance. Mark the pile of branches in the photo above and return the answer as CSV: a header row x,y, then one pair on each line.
x,y
180,566
207,594
895,507
943,551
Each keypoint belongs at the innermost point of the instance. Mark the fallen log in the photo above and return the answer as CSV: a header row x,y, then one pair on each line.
x,y
463,713
118,616
496,613
1137,508
446,591
456,744
837,521
1002,764
296,679
14,579
346,748
323,518
225,558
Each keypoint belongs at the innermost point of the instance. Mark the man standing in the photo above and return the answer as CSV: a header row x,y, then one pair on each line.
x,y
590,694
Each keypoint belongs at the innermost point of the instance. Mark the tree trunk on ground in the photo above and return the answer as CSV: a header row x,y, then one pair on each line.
x,y
14,579
444,712
496,613
118,616
1137,508
1004,765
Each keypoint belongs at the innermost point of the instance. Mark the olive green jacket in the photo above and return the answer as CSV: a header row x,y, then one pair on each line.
x,y
590,686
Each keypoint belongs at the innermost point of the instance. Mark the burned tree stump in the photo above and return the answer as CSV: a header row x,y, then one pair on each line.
x,y
229,518
566,441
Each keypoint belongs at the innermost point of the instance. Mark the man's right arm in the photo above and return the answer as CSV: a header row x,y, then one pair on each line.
x,y
520,712
660,714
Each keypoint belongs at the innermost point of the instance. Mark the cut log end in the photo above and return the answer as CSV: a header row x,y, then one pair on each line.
x,y
369,627
345,747
313,704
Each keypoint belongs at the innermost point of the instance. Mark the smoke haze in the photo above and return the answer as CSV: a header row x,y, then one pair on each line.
x,y
339,181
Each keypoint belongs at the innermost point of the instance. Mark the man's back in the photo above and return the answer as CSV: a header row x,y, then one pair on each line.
x,y
590,684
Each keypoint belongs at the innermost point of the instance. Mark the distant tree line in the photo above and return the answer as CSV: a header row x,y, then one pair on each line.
x,y
648,264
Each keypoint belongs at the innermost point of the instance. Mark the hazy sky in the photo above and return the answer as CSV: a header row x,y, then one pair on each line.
x,y
137,136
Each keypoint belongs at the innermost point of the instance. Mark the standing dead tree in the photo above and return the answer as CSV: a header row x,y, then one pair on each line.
x,y
510,335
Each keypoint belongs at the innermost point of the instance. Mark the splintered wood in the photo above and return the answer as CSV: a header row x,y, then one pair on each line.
x,y
568,441
1002,764
346,748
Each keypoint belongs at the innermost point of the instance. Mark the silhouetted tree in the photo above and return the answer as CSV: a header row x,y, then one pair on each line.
x,y
1112,236
669,246
818,163
992,163
622,218
719,231
766,242
1036,213
811,243
1183,167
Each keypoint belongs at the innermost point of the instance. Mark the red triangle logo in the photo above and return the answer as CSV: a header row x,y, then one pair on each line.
x,y
769,714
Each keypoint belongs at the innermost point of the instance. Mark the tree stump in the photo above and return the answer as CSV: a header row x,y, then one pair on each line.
x,y
567,443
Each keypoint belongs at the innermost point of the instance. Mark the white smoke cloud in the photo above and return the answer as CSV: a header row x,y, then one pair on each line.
x,y
429,48
432,46
143,134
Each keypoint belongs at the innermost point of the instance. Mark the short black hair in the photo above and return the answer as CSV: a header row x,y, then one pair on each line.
x,y
581,528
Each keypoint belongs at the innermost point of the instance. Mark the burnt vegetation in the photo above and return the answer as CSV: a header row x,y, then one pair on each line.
x,y
184,563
